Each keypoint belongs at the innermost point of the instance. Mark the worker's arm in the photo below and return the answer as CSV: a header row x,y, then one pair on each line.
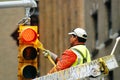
x,y
65,61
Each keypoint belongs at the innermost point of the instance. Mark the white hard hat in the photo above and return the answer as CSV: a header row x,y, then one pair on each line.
x,y
79,32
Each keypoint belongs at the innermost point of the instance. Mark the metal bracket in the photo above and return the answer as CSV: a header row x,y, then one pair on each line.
x,y
103,67
24,21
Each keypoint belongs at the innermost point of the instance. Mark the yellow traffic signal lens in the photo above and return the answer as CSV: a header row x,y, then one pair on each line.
x,y
28,35
29,71
29,53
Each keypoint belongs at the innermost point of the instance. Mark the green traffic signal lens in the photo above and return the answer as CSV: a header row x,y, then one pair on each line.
x,y
29,53
29,71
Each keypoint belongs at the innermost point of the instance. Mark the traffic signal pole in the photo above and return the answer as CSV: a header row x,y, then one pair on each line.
x,y
21,3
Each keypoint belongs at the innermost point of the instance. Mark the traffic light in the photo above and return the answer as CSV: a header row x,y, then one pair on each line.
x,y
28,52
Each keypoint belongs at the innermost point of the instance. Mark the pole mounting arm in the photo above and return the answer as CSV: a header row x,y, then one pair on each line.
x,y
20,3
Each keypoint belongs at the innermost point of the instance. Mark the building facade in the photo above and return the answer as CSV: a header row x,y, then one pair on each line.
x,y
8,44
103,26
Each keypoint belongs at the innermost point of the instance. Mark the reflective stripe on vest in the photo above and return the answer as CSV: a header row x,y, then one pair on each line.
x,y
82,53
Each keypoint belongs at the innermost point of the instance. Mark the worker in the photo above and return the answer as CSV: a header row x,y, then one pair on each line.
x,y
76,54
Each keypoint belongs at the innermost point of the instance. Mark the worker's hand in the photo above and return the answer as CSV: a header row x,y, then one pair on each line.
x,y
54,69
47,53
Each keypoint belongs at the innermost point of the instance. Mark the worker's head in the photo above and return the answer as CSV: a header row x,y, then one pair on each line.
x,y
78,35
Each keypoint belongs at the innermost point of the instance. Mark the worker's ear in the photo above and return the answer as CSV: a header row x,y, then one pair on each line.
x,y
76,38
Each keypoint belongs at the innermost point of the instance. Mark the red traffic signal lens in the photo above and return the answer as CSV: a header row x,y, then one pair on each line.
x,y
29,53
29,71
28,35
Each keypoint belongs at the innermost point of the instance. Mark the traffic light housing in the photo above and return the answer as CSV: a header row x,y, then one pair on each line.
x,y
28,52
